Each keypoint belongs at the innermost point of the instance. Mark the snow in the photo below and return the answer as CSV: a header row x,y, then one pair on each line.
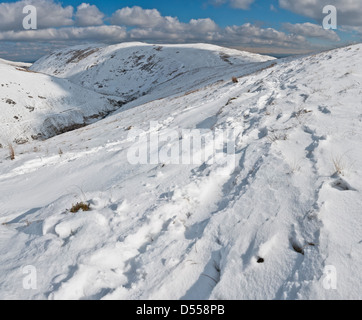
x,y
196,231
139,70
37,106
74,87
16,64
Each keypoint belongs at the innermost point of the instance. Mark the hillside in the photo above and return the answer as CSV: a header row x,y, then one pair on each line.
x,y
267,225
74,87
35,106
134,70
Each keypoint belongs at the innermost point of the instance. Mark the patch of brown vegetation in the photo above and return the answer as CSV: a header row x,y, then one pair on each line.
x,y
80,206
79,55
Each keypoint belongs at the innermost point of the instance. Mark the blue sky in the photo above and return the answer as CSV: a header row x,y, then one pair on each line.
x,y
186,10
265,26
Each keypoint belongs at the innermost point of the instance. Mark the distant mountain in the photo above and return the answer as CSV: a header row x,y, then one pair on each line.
x,y
134,70
76,86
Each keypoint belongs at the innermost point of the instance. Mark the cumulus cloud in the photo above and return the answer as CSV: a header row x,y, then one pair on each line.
x,y
49,14
171,29
59,25
349,11
96,33
206,30
88,15
137,17
151,25
251,35
311,30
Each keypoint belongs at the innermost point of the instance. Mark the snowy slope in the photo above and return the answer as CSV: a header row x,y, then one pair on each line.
x,y
292,200
133,70
16,64
38,106
37,103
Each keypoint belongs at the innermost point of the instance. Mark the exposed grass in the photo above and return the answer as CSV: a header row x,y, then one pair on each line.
x,y
277,136
80,206
230,100
11,151
339,165
294,166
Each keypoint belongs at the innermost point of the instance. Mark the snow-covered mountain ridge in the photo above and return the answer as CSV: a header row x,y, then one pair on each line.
x,y
73,87
132,70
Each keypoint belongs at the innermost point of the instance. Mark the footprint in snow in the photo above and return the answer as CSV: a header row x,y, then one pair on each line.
x,y
342,185
324,110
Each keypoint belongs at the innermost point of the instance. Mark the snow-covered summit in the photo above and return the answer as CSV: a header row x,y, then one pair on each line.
x,y
132,70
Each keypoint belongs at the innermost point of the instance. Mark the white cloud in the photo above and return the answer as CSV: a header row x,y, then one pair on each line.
x,y
168,29
58,26
151,25
137,17
349,11
49,14
254,36
203,26
88,15
173,30
311,30
98,33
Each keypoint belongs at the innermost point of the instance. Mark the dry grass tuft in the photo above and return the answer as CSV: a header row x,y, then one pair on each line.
x,y
80,206
11,151
273,137
339,165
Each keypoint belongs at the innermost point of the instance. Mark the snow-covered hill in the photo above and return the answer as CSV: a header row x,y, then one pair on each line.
x,y
37,102
133,70
269,225
37,106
